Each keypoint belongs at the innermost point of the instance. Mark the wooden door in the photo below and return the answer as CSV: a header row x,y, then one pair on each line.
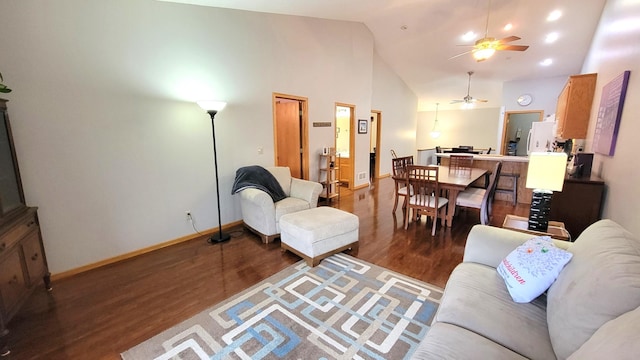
x,y
288,136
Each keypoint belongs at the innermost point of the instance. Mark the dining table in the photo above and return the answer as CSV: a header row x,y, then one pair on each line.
x,y
452,184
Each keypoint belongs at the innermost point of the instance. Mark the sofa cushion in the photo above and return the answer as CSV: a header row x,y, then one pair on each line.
x,y
476,299
446,341
532,267
287,206
600,283
617,339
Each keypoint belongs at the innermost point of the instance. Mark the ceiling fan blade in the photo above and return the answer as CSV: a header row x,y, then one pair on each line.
x,y
513,47
456,101
480,100
464,53
508,39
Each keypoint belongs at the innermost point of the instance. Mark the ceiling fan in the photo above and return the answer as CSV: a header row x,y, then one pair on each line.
x,y
485,47
468,99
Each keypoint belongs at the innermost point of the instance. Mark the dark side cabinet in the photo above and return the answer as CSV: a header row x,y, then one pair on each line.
x,y
22,259
579,204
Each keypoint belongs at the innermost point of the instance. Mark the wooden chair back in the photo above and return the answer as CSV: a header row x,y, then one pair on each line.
x,y
426,198
399,165
460,165
487,199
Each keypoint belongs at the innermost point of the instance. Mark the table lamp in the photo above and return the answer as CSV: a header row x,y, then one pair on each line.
x,y
545,175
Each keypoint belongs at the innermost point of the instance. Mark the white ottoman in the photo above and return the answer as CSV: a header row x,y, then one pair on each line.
x,y
317,233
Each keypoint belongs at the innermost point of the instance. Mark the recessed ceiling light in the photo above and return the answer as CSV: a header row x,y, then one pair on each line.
x,y
508,27
546,62
554,15
551,37
468,36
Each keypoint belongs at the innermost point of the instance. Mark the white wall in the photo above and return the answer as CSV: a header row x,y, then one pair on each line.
x,y
543,91
476,127
111,145
614,50
398,105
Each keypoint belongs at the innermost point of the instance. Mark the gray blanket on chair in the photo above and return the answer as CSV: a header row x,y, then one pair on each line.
x,y
259,178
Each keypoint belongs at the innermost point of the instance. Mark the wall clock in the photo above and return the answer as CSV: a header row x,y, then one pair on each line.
x,y
524,99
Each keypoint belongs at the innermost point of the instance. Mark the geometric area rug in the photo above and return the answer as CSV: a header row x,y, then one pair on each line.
x,y
344,308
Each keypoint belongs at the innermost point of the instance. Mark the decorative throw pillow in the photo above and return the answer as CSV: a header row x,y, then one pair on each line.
x,y
532,267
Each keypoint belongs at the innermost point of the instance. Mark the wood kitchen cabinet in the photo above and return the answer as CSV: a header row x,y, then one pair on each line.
x,y
579,204
346,174
574,106
22,258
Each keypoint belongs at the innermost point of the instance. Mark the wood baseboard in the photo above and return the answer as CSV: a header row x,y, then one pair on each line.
x,y
139,252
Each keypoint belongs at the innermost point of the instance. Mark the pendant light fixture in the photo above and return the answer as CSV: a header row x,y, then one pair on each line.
x,y
435,132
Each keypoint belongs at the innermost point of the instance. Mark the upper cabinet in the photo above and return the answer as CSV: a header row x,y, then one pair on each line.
x,y
574,106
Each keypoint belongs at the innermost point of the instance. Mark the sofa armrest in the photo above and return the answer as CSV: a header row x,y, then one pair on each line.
x,y
488,245
306,190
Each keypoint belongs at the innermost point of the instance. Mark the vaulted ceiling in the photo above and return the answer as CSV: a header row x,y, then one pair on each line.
x,y
417,38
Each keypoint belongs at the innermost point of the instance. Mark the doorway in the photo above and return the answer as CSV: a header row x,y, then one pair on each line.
x,y
516,129
374,144
290,131
345,141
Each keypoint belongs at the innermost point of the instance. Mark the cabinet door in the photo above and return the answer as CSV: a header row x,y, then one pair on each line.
x,y
561,109
32,249
12,284
577,206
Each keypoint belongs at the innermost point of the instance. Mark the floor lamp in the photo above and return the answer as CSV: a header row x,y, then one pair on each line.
x,y
545,175
212,107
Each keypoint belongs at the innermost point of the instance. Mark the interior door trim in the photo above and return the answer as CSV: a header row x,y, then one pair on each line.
x,y
304,104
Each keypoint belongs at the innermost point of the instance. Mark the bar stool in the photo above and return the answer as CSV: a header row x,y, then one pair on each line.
x,y
514,188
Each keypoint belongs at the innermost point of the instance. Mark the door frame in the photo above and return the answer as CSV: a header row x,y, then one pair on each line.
x,y
304,141
378,128
506,125
352,137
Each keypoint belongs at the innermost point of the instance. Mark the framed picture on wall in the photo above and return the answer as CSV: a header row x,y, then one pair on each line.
x,y
362,126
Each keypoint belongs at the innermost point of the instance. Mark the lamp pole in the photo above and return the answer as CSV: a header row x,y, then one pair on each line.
x,y
212,107
220,236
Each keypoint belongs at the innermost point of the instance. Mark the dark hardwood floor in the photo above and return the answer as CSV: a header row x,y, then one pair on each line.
x,y
103,312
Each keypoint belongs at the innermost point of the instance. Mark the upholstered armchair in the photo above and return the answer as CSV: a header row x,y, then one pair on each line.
x,y
261,214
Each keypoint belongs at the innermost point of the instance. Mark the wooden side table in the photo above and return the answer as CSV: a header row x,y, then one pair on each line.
x,y
556,229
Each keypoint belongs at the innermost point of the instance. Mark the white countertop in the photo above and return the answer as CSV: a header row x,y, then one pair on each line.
x,y
489,157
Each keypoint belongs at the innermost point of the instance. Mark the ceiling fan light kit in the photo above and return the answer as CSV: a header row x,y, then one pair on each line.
x,y
483,54
484,48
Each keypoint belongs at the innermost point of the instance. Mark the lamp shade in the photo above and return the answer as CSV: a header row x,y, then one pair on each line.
x,y
546,170
211,105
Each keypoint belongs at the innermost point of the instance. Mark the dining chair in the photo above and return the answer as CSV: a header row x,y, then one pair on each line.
x,y
482,199
399,167
460,165
426,199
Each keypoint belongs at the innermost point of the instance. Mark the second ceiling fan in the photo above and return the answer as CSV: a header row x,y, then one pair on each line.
x,y
485,47
468,99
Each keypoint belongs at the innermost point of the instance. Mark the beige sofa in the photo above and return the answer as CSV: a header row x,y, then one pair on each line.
x,y
591,311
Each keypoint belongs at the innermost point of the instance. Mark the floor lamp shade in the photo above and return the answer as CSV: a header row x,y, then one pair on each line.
x,y
545,175
212,107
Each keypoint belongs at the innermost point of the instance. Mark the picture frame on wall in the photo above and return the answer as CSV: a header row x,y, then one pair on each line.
x,y
610,114
362,126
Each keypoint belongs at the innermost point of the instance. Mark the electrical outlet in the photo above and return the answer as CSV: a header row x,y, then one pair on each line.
x,y
188,214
